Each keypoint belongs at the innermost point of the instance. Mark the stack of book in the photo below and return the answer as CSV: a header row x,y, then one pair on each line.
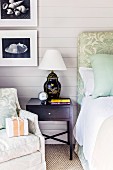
x,y
60,101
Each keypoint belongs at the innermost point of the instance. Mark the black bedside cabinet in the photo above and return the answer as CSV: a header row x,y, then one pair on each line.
x,y
58,112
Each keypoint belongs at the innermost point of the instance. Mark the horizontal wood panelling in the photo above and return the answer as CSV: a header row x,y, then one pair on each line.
x,y
32,72
23,101
68,32
69,72
58,42
33,81
77,12
33,91
57,32
76,22
76,3
66,52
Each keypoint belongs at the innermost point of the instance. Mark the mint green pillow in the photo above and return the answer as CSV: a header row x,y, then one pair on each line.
x,y
102,65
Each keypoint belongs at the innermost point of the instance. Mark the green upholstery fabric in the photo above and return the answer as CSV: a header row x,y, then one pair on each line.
x,y
9,104
90,43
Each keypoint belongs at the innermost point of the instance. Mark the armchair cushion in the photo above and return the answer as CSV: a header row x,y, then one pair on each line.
x,y
7,108
17,146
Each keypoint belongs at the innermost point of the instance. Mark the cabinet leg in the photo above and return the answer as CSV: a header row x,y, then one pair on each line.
x,y
68,133
71,151
71,140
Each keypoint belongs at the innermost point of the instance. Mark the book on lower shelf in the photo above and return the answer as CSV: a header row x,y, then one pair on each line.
x,y
60,101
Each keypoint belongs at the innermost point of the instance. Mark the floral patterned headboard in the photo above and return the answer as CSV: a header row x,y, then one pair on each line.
x,y
90,43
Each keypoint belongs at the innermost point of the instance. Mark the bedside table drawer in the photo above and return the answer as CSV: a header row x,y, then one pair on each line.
x,y
47,113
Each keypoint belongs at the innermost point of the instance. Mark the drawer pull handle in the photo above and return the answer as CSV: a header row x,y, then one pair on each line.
x,y
49,113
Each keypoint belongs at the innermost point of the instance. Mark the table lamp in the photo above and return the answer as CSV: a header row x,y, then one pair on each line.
x,y
52,60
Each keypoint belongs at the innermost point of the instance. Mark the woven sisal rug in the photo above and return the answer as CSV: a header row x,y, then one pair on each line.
x,y
57,158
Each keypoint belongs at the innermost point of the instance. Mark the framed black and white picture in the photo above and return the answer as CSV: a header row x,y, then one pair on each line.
x,y
21,13
18,48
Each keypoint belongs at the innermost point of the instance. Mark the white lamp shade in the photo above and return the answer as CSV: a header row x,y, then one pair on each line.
x,y
52,60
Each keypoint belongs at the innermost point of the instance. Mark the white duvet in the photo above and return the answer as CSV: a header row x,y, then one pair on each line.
x,y
93,113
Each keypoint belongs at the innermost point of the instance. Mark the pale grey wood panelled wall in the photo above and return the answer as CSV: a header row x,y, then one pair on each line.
x,y
59,24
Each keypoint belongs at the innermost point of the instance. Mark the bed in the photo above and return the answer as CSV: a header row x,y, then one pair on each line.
x,y
94,127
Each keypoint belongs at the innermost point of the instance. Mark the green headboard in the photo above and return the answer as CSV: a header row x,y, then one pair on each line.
x,y
90,43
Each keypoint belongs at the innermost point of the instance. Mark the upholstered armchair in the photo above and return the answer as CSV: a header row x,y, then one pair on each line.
x,y
24,152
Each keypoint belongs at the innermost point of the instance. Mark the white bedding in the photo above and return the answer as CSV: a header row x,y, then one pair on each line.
x,y
92,115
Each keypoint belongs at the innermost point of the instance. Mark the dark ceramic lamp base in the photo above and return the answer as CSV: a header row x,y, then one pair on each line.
x,y
52,86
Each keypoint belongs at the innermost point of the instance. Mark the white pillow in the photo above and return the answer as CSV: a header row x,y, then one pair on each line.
x,y
88,80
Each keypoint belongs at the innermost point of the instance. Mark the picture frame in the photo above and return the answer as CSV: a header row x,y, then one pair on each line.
x,y
18,13
18,48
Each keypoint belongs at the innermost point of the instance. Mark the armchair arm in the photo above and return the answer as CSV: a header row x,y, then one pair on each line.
x,y
34,128
32,121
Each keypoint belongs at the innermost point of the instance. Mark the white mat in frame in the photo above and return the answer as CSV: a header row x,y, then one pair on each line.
x,y
18,14
18,48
